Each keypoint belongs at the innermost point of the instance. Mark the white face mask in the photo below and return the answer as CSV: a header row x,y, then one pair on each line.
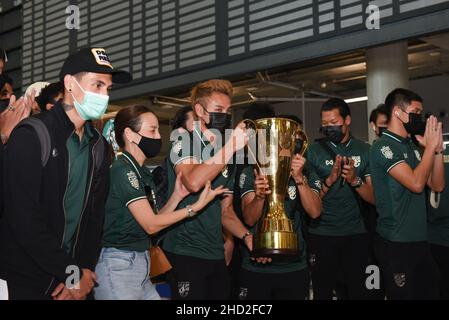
x,y
94,105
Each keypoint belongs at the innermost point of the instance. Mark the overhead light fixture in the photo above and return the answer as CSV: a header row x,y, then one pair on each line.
x,y
354,100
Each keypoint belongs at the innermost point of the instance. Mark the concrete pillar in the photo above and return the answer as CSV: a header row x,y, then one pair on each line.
x,y
387,69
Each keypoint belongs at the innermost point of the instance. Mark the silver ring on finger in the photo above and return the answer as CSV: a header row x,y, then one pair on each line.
x,y
11,108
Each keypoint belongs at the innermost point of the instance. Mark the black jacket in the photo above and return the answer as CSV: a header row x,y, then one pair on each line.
x,y
33,224
1,180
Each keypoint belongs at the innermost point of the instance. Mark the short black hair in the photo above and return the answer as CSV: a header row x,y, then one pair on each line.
x,y
259,111
376,112
337,103
181,117
291,117
400,97
4,79
48,94
2,54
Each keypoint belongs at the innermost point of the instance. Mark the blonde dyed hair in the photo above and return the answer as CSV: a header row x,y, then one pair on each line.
x,y
203,91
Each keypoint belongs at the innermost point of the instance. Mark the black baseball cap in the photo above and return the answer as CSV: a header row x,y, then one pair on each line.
x,y
93,60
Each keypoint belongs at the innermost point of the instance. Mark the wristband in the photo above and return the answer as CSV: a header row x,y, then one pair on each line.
x,y
191,212
247,234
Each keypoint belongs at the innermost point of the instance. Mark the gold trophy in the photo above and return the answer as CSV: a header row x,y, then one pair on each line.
x,y
276,141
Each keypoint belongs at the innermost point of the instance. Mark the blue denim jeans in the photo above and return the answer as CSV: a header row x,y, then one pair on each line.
x,y
124,275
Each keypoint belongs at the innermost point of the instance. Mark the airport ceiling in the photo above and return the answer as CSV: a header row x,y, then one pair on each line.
x,y
342,75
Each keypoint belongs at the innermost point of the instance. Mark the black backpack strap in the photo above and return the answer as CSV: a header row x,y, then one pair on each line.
x,y
43,136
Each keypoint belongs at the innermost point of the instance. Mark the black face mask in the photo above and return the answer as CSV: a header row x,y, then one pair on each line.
x,y
219,121
4,103
333,133
150,147
381,131
416,125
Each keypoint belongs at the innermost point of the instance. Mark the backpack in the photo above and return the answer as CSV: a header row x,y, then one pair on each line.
x,y
45,141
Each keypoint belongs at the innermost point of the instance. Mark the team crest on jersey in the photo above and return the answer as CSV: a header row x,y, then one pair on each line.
x,y
312,260
399,279
225,172
386,151
357,161
292,192
242,180
243,293
183,289
133,180
329,162
418,155
177,147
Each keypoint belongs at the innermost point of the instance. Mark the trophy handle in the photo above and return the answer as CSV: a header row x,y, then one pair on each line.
x,y
252,123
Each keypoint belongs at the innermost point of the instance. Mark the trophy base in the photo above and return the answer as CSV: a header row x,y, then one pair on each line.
x,y
275,253
276,245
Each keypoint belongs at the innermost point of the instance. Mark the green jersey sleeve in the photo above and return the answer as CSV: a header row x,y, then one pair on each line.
x,y
387,156
181,148
246,181
314,180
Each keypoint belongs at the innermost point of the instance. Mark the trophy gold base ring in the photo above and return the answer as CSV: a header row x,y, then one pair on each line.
x,y
276,235
276,243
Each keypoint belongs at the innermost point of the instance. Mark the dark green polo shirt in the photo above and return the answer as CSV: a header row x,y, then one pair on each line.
x,y
402,213
341,214
294,211
438,212
77,183
127,185
199,237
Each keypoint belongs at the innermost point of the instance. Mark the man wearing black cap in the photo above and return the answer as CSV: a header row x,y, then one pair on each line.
x,y
54,206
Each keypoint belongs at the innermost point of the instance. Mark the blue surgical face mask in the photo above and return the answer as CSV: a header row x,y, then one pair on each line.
x,y
94,105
